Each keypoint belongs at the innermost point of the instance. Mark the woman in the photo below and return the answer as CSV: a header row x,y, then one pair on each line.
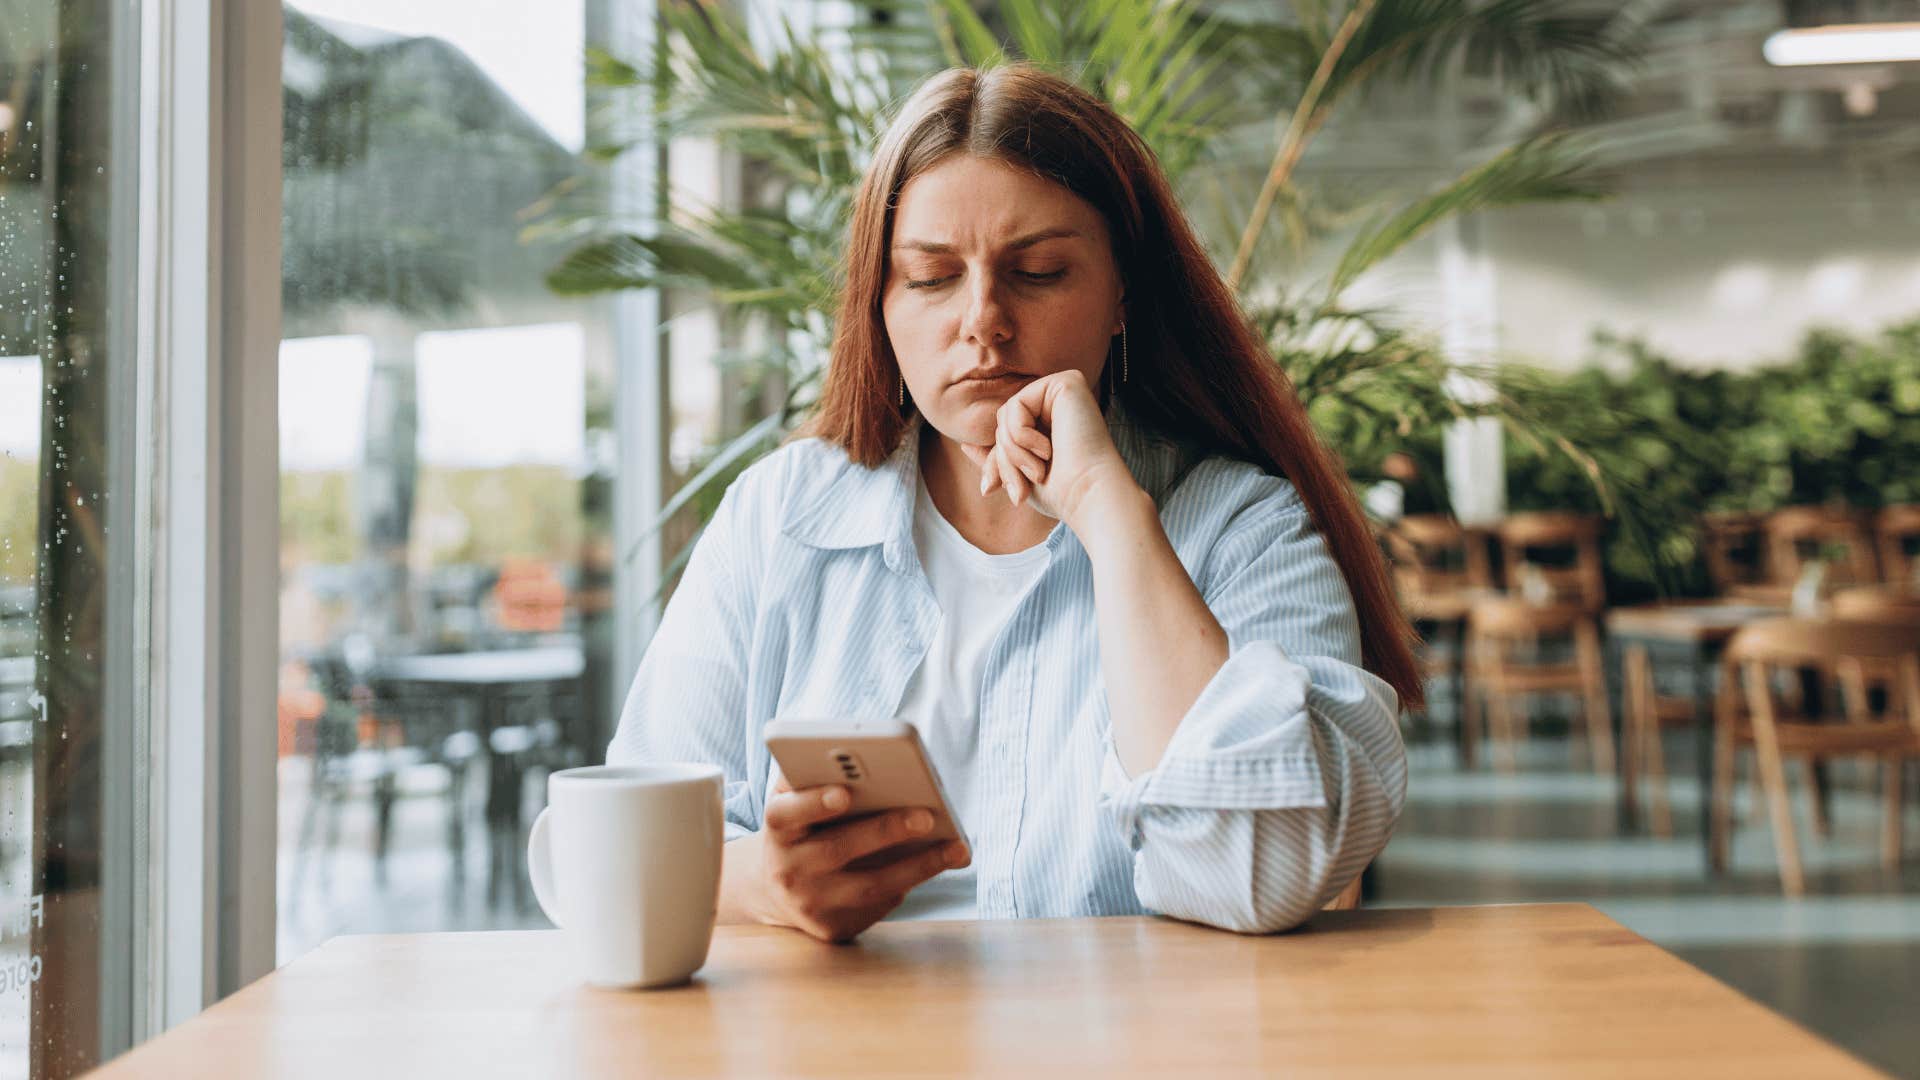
x,y
1060,511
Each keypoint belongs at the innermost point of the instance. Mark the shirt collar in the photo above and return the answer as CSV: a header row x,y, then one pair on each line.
x,y
866,506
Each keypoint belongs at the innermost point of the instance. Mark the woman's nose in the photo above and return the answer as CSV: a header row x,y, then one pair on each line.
x,y
987,320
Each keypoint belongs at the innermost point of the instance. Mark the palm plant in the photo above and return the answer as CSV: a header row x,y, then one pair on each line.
x,y
808,104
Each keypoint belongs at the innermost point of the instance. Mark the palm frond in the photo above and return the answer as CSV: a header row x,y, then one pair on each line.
x,y
753,439
1042,30
772,263
1551,49
1159,63
1549,168
968,40
791,102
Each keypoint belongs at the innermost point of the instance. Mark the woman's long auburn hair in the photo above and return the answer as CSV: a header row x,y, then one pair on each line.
x,y
1204,375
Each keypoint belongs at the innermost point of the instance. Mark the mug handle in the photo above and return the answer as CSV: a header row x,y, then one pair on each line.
x,y
540,866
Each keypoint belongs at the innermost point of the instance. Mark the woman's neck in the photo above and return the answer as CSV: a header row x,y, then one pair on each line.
x,y
989,522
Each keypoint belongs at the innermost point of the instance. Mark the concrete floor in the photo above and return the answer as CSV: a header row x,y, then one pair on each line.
x,y
1844,961
338,893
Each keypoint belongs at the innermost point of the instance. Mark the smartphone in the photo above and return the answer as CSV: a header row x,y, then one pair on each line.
x,y
881,762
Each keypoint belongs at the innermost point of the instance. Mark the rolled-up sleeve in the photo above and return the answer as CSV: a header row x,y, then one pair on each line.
x,y
688,701
1286,776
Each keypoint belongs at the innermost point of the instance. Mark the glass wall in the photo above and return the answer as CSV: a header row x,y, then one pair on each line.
x,y
67,717
446,454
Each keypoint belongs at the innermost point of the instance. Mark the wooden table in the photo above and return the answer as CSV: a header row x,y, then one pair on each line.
x,y
1517,991
1699,631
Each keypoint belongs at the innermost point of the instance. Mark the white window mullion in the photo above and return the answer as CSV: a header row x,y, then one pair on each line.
x,y
208,316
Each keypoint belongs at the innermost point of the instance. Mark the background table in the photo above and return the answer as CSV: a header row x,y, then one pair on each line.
x,y
490,679
1698,632
1515,991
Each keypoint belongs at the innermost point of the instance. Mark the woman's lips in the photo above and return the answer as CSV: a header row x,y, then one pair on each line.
x,y
993,380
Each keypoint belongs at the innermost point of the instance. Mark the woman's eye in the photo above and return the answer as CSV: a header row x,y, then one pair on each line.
x,y
1029,276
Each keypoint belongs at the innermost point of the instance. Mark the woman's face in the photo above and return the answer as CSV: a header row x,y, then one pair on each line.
x,y
996,278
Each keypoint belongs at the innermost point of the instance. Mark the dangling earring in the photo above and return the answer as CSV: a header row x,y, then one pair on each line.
x,y
1123,352
903,390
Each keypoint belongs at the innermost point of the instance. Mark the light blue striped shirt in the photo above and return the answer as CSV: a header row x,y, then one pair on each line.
x,y
806,597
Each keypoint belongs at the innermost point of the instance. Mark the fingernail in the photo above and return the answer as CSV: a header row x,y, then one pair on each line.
x,y
956,857
836,799
919,821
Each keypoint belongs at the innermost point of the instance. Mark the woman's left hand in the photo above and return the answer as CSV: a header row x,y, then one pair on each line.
x,y
1051,448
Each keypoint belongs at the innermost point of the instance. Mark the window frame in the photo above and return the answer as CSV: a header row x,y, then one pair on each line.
x,y
206,473
208,319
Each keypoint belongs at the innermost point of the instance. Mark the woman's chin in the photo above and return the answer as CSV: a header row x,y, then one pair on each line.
x,y
973,422
966,427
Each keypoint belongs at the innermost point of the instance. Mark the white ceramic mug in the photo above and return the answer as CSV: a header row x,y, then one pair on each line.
x,y
625,860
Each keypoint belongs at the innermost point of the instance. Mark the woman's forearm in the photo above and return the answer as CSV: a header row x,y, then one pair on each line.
x,y
1159,643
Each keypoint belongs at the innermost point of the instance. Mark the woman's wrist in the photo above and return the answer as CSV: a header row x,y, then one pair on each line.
x,y
1113,511
740,885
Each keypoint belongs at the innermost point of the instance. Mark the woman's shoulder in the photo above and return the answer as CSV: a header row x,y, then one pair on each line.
x,y
1219,491
787,480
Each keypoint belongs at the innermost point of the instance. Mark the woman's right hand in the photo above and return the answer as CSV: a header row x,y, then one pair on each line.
x,y
795,872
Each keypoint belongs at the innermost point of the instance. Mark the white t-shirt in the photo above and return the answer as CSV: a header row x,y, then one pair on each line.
x,y
977,593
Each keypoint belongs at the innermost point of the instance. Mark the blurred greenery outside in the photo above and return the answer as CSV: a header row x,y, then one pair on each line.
x,y
480,515
19,514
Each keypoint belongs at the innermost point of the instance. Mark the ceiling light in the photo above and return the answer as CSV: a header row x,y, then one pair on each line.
x,y
1864,43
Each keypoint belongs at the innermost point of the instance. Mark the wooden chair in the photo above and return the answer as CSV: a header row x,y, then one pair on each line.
x,y
1877,603
1499,631
1885,604
1897,529
1440,567
1796,535
1433,553
1578,576
1749,713
1734,545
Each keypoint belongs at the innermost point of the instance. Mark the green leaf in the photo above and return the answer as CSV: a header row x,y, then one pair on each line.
x,y
970,42
627,261
1037,29
608,72
1547,48
753,439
